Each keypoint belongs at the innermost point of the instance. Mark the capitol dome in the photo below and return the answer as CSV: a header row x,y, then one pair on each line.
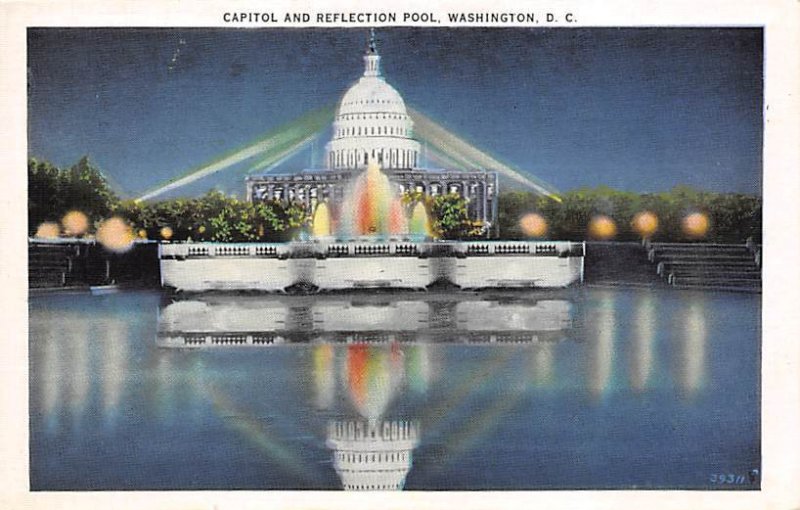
x,y
372,123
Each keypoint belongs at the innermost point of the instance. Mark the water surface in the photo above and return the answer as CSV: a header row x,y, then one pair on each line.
x,y
585,388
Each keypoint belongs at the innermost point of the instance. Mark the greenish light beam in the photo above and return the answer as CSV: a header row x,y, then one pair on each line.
x,y
286,136
460,150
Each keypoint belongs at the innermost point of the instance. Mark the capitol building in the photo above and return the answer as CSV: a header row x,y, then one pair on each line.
x,y
372,123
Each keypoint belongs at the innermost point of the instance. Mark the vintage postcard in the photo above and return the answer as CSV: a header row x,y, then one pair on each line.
x,y
415,256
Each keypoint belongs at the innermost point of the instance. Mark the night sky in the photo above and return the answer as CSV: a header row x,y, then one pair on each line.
x,y
635,109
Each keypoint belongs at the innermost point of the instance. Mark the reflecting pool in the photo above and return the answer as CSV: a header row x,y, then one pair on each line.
x,y
580,388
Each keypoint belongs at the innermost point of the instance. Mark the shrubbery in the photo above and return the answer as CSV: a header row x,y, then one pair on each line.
x,y
733,217
52,192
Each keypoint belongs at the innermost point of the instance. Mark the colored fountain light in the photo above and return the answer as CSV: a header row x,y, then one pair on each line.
x,y
321,222
372,208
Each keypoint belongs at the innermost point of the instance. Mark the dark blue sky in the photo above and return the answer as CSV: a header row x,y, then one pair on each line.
x,y
635,109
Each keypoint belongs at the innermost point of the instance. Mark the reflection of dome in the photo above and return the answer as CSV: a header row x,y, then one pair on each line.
x,y
372,455
372,122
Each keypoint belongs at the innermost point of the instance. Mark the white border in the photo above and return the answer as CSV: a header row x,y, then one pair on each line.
x,y
781,354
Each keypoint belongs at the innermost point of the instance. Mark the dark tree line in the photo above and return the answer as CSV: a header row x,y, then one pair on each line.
x,y
52,192
733,217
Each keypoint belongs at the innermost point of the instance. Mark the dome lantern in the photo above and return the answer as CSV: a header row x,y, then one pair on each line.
x,y
372,61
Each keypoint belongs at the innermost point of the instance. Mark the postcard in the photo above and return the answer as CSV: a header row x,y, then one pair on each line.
x,y
349,255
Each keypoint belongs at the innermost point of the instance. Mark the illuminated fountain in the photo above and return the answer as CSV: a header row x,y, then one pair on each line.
x,y
372,208
371,211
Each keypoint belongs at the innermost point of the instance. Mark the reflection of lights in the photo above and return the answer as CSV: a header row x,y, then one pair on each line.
x,y
641,360
324,377
50,371
600,350
418,367
533,225
115,235
166,233
602,227
142,233
114,365
75,223
543,363
696,225
645,223
48,230
692,349
77,352
373,455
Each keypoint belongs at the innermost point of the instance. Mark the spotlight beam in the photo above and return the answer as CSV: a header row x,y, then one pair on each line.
x,y
273,160
460,150
288,135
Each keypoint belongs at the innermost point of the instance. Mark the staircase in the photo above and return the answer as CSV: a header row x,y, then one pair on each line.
x,y
708,266
49,265
64,264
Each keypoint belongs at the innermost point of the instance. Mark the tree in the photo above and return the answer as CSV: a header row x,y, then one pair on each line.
x,y
52,192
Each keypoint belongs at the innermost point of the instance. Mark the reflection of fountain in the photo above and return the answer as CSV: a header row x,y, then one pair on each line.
x,y
373,374
370,452
324,376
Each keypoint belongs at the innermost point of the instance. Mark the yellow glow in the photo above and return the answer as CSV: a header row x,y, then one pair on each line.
x,y
201,228
645,223
321,224
75,223
602,227
48,230
166,233
142,233
115,235
533,225
696,225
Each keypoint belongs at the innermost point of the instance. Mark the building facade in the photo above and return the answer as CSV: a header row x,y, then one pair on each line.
x,y
372,123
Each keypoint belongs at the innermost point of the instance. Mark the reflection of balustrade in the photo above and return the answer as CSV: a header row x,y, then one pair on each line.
x,y
214,321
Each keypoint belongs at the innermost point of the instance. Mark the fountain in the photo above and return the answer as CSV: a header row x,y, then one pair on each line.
x,y
372,208
371,241
371,211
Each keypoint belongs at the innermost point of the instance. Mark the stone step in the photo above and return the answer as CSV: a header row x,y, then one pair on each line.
x,y
699,256
717,274
659,246
710,262
728,282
